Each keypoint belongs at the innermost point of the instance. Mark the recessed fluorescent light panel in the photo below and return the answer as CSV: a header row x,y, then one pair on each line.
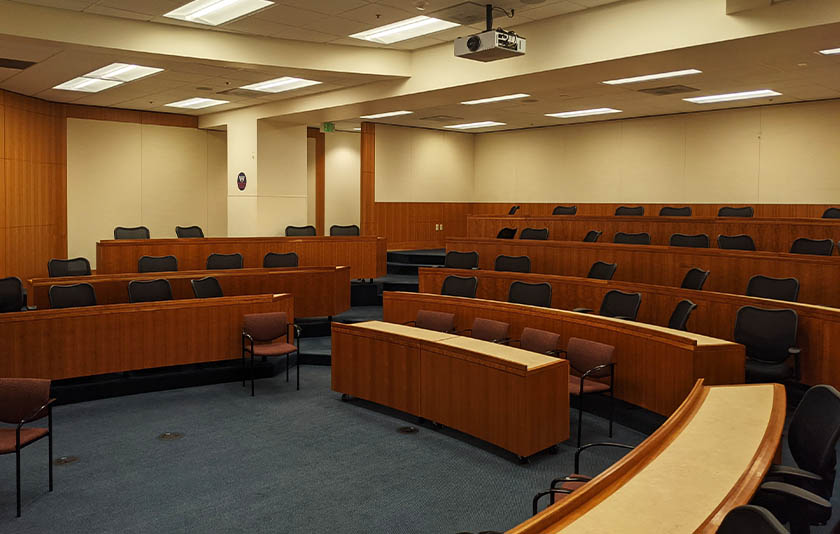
x,y
122,72
388,114
830,51
728,97
215,12
582,113
87,85
496,99
404,29
278,85
469,126
197,103
648,77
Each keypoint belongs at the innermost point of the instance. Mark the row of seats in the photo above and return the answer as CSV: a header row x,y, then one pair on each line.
x,y
153,264
142,232
84,294
684,211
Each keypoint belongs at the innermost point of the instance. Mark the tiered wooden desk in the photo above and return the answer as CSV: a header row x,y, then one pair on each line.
x,y
650,264
74,342
365,255
656,367
775,235
819,327
516,399
709,457
318,291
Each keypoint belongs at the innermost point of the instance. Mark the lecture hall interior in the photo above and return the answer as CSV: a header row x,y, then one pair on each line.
x,y
419,266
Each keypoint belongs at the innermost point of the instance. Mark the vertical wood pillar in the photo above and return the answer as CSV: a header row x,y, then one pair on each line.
x,y
367,207
320,176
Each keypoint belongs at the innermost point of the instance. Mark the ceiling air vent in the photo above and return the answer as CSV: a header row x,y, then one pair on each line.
x,y
8,63
440,118
669,90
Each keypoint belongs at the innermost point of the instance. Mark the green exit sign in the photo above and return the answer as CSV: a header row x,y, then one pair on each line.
x,y
328,127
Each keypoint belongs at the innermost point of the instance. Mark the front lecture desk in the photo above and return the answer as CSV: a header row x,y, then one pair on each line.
x,y
76,342
516,399
656,367
666,266
364,254
706,459
318,291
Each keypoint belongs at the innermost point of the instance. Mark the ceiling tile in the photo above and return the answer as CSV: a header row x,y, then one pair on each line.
x,y
329,7
378,15
121,13
290,16
73,5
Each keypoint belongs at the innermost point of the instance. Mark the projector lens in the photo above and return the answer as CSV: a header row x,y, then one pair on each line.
x,y
473,43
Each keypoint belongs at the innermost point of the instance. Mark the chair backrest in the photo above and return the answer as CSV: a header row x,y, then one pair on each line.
x,y
642,238
684,240
224,261
72,296
19,397
514,264
489,330
461,260
349,229
300,231
435,320
133,232
11,294
831,213
768,287
188,231
750,519
265,326
506,233
591,236
767,334
459,286
728,211
274,259
620,304
681,314
149,290
513,209
818,247
71,267
669,211
531,294
538,340
736,242
207,287
630,211
534,233
814,431
156,264
564,210
602,270
584,355
694,279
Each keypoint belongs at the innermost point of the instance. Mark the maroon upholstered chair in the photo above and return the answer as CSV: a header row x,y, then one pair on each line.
x,y
267,334
434,320
539,341
23,400
490,330
592,360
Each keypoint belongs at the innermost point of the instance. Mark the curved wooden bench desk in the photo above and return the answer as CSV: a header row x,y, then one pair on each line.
x,y
656,367
707,458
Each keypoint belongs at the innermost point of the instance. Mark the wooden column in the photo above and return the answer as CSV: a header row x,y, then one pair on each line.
x,y
367,207
320,176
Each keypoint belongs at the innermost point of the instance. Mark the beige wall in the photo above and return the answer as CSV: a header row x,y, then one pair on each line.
x,y
127,174
310,181
282,184
342,161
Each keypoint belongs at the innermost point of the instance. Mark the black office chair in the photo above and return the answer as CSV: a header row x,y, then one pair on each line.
x,y
300,231
513,264
72,296
184,232
694,241
831,213
669,211
459,286
625,211
156,264
149,290
72,267
513,209
534,233
694,279
601,270
506,233
531,294
618,304
642,238
564,210
767,287
273,260
729,211
461,260
350,229
681,314
750,519
12,295
736,242
206,288
769,336
133,232
591,236
224,261
817,247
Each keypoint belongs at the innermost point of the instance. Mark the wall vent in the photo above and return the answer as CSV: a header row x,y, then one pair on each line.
x,y
9,63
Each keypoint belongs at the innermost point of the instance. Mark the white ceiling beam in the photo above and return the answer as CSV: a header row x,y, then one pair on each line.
x,y
737,6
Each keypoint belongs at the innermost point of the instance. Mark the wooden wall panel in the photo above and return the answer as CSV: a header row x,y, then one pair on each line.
x,y
367,205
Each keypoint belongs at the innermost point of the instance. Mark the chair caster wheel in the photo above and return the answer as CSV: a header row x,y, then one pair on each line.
x,y
345,397
523,460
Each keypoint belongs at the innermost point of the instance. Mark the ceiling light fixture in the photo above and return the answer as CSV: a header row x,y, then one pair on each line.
x,y
495,99
278,85
87,85
404,29
215,12
196,103
728,97
830,51
582,113
387,114
123,72
648,77
470,125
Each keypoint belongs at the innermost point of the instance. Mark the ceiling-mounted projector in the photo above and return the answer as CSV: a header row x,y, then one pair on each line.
x,y
490,44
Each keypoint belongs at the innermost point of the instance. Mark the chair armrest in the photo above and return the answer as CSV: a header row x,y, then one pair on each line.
x,y
583,310
34,415
800,506
792,475
597,368
535,503
623,317
570,478
795,351
597,444
298,330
